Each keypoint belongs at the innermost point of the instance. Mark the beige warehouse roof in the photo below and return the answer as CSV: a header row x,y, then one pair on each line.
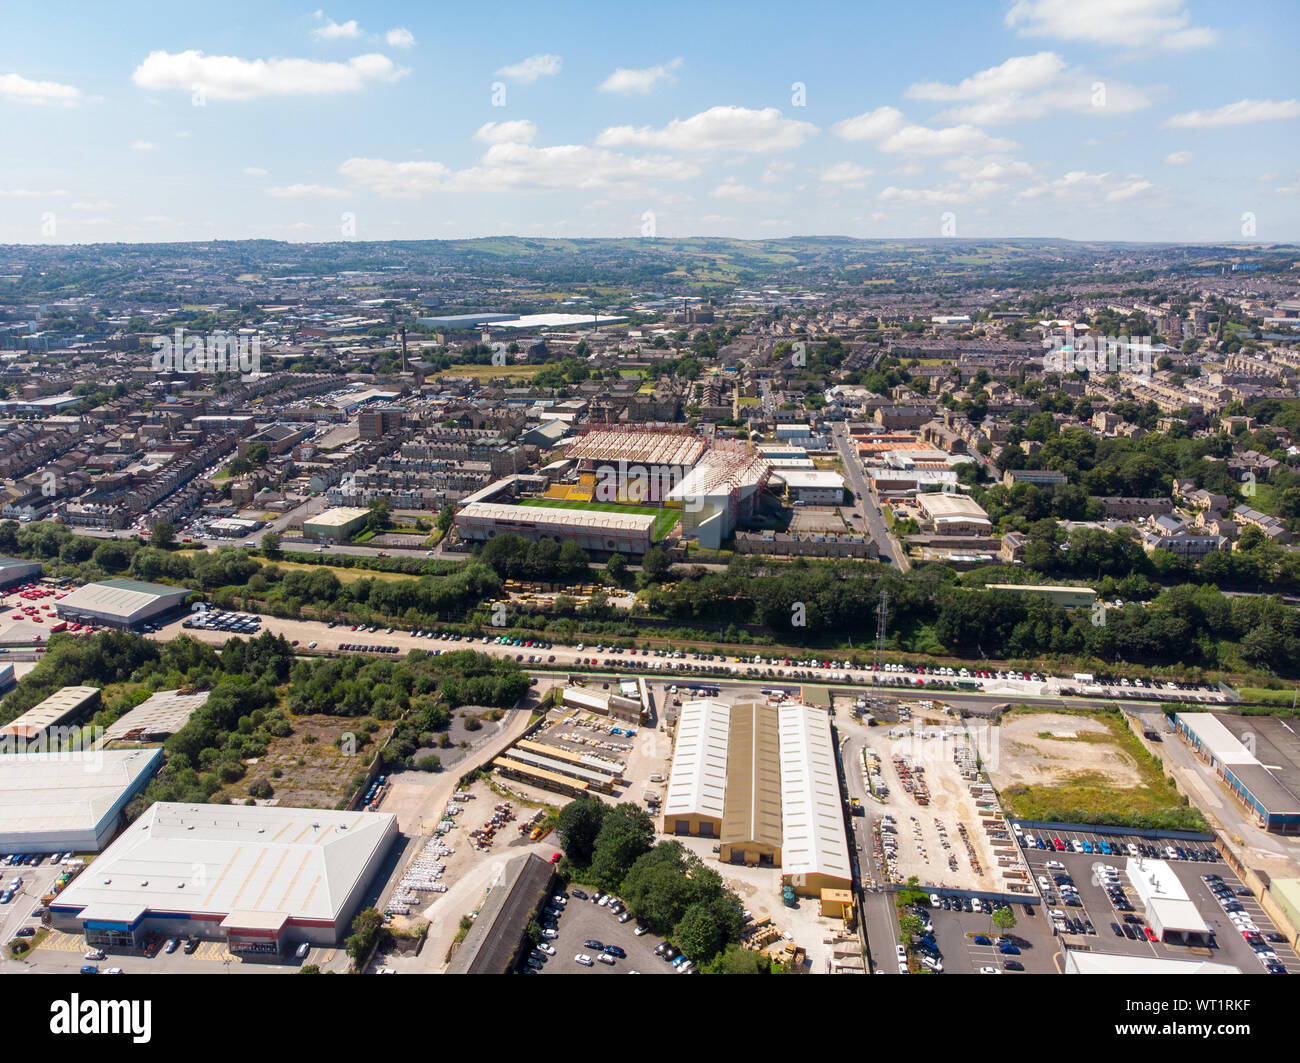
x,y
753,801
53,793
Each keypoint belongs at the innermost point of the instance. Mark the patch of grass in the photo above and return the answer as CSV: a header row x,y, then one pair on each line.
x,y
1093,797
665,519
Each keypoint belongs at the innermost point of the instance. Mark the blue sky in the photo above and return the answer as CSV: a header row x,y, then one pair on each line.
x,y
1118,119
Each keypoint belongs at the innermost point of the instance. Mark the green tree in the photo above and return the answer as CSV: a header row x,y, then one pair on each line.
x,y
366,928
271,546
163,534
626,832
578,826
616,568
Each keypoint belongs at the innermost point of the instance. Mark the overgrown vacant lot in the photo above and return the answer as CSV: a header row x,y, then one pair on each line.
x,y
1083,767
314,771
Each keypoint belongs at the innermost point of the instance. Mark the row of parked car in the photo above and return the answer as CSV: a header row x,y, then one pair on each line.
x,y
1241,920
218,620
366,649
1108,847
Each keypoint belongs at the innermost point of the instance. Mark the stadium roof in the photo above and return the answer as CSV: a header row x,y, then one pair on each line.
x,y
544,516
698,782
721,471
259,861
636,445
811,814
56,793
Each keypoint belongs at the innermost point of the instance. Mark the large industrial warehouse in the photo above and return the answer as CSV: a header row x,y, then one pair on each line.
x,y
763,780
1265,776
62,802
14,571
259,877
121,603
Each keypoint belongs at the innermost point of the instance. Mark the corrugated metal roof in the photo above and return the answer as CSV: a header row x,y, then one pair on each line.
x,y
698,782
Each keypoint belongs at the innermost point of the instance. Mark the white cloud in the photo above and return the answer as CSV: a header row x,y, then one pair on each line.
x,y
399,38
896,136
520,131
1028,87
873,125
519,167
846,174
1243,112
532,68
639,82
1293,189
306,192
1079,186
18,89
1179,158
395,180
737,129
334,31
226,77
987,168
1161,24
29,193
141,145
776,171
739,192
255,171
99,204
943,197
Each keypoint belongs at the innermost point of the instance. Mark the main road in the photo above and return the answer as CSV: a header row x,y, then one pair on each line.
x,y
874,520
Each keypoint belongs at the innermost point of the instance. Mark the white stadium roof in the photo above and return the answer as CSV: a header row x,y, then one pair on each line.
x,y
544,516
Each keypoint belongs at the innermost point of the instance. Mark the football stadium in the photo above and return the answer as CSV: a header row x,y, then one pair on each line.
x,y
629,487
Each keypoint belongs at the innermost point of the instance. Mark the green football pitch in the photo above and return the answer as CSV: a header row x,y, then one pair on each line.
x,y
665,519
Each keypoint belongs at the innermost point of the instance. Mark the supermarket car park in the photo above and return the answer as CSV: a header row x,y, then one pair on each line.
x,y
1083,889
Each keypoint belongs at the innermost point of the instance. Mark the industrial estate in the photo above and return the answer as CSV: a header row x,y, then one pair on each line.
x,y
693,605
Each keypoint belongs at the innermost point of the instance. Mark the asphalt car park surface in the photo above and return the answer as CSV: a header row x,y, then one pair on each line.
x,y
955,932
583,921
1096,905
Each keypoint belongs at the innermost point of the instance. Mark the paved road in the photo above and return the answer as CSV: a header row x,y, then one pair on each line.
x,y
875,521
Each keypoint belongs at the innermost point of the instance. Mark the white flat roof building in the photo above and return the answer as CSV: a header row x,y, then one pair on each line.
x,y
1172,914
1103,963
814,851
68,802
697,787
121,602
259,876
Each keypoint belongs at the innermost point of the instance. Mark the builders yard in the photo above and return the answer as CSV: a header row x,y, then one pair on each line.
x,y
1052,765
939,821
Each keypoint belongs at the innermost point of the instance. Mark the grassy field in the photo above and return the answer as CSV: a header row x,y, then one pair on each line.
x,y
665,519
492,372
1092,797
